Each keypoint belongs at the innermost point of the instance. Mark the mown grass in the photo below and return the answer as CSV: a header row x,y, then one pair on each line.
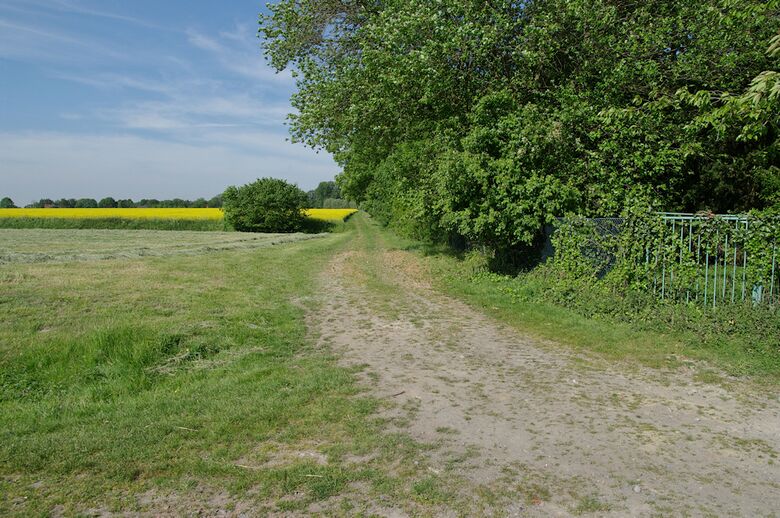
x,y
43,245
180,382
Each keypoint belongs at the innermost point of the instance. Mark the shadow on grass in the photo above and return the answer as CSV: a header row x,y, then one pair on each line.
x,y
317,226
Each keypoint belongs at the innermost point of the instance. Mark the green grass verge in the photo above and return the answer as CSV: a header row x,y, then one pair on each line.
x,y
178,381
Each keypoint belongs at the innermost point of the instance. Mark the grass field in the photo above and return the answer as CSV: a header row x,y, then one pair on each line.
x,y
145,371
180,379
43,245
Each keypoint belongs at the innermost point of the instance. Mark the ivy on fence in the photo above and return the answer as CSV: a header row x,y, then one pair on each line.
x,y
703,258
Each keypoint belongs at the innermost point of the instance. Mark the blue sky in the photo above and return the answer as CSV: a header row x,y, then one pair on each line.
x,y
141,99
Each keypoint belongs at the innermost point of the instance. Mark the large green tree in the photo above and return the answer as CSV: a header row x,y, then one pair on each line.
x,y
487,119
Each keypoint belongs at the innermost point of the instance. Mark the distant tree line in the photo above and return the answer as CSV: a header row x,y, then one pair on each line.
x,y
327,195
111,203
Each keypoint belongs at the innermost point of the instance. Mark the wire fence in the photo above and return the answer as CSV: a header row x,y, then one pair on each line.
x,y
695,258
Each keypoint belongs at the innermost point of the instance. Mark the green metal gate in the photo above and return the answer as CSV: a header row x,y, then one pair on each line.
x,y
715,259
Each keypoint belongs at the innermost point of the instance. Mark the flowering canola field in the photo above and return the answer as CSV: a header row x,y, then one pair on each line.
x,y
179,214
330,214
161,214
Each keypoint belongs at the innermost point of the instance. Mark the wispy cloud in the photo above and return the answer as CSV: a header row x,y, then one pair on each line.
x,y
238,51
199,111
32,43
48,7
194,111
117,81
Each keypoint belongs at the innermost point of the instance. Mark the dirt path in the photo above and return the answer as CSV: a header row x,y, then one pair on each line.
x,y
539,431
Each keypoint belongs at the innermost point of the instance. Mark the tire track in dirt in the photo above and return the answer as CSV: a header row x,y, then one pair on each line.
x,y
553,434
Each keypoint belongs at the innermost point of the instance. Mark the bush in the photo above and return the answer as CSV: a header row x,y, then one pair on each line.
x,y
267,205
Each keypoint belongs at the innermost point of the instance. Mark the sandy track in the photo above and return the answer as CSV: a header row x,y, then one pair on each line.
x,y
527,419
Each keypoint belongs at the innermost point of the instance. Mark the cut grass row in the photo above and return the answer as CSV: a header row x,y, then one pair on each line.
x,y
46,245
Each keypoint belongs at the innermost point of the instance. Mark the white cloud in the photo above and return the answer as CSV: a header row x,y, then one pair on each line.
x,y
183,122
189,112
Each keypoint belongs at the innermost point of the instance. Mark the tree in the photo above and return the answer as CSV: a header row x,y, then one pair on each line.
x,y
322,192
86,203
108,203
200,203
7,203
125,204
65,203
266,205
216,202
487,119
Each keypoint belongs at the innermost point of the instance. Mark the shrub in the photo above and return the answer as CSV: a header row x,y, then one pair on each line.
x,y
266,205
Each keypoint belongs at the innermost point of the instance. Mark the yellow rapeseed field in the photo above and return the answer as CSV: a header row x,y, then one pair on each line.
x,y
166,214
162,214
330,214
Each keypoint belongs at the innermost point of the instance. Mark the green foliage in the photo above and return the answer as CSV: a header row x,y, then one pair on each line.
x,y
7,203
487,119
216,202
108,203
337,203
322,192
641,252
200,203
266,205
65,203
652,274
86,203
43,203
